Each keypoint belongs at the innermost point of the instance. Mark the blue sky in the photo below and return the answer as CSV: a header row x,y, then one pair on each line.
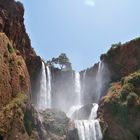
x,y
83,29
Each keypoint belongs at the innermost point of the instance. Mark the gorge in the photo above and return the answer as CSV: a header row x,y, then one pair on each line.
x,y
40,100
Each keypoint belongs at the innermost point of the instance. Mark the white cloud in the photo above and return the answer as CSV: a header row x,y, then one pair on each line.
x,y
90,2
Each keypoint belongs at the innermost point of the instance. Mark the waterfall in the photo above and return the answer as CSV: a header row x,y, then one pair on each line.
x,y
93,114
89,129
83,83
48,87
76,107
99,80
78,87
44,96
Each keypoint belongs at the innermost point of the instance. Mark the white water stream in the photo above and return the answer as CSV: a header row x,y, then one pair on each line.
x,y
44,96
87,129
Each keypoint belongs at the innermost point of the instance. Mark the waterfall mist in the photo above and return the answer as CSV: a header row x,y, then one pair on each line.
x,y
95,83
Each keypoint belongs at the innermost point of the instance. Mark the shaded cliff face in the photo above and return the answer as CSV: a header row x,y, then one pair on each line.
x,y
14,91
63,89
123,59
12,24
119,110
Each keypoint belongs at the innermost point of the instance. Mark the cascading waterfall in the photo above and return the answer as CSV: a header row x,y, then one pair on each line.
x,y
78,87
78,105
93,114
84,81
44,98
48,87
87,129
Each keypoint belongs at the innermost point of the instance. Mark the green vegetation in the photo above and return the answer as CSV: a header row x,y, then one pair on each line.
x,y
113,49
133,79
10,48
62,60
21,80
19,63
123,99
132,99
29,121
8,112
137,38
16,102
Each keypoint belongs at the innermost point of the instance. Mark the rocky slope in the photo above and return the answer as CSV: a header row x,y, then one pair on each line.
x,y
119,109
14,91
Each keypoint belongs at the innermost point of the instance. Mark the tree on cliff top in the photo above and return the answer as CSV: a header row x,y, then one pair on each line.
x,y
62,60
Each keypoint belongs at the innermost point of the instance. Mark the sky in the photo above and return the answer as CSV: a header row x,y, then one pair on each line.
x,y
83,29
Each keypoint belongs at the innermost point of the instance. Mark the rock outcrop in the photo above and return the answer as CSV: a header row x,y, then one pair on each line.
x,y
44,125
123,59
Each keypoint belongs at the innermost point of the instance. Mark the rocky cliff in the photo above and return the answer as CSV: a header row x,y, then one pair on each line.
x,y
12,24
17,61
123,59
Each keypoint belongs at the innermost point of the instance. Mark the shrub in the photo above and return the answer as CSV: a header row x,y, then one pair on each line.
x,y
126,89
19,63
21,80
135,80
132,99
10,48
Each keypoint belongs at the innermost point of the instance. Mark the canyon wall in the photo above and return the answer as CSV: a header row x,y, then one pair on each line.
x,y
19,64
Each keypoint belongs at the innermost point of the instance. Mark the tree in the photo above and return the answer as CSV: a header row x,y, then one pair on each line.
x,y
62,60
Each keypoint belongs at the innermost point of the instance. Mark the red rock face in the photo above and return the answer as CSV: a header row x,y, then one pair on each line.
x,y
12,24
14,76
